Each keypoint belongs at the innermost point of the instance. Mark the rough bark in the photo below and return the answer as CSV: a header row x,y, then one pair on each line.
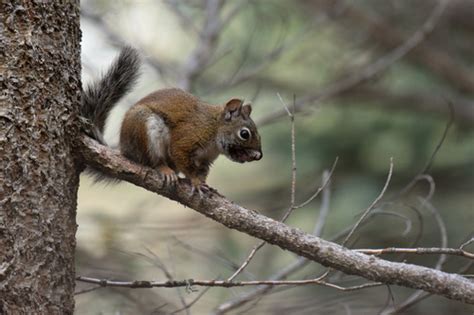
x,y
248,221
39,176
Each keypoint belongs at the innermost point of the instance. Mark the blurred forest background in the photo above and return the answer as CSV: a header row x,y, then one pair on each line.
x,y
362,95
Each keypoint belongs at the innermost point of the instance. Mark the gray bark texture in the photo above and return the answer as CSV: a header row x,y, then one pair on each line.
x,y
39,175
329,254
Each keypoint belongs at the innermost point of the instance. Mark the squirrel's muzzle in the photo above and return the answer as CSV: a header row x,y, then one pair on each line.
x,y
242,155
256,155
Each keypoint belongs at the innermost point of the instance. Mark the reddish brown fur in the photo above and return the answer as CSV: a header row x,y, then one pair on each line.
x,y
193,128
184,114
133,135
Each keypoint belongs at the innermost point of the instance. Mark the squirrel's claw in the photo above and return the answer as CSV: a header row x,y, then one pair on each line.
x,y
171,179
200,187
206,188
203,189
169,176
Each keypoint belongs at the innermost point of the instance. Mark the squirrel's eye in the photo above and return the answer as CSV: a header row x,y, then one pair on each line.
x,y
244,133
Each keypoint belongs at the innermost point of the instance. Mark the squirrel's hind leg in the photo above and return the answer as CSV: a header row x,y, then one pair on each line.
x,y
145,139
158,147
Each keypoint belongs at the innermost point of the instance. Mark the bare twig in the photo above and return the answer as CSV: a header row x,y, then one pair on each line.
x,y
285,107
320,188
432,185
419,233
247,260
190,304
418,251
390,298
324,209
212,257
442,229
374,203
466,243
407,220
216,283
156,261
172,276
422,174
293,159
87,290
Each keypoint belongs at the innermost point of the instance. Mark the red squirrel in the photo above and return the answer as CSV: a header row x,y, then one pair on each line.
x,y
170,129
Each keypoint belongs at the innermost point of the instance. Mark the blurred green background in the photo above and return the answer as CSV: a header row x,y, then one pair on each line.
x,y
301,49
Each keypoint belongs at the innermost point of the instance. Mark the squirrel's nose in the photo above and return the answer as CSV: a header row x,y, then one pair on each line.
x,y
257,155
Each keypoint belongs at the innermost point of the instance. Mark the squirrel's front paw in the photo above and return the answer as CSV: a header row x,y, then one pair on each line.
x,y
169,176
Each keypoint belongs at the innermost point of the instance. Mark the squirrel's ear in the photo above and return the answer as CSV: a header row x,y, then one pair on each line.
x,y
246,110
232,108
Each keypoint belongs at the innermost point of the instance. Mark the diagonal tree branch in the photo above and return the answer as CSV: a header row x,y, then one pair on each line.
x,y
329,254
296,265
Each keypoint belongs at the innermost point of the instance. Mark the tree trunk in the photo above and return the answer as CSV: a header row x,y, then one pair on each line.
x,y
39,176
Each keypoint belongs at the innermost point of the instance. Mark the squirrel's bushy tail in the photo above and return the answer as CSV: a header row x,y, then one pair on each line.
x,y
100,97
